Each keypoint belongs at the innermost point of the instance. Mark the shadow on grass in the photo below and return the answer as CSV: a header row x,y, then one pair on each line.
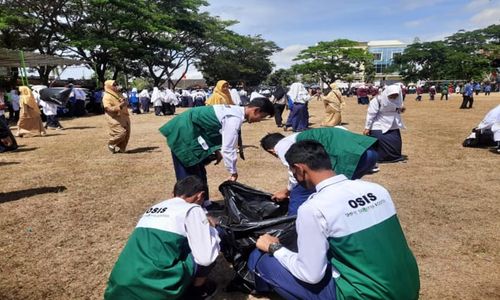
x,y
24,150
142,150
6,163
16,195
79,127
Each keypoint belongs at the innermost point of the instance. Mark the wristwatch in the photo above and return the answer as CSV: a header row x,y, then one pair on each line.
x,y
273,248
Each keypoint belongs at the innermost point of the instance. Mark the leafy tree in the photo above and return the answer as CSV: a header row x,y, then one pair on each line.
x,y
33,26
105,33
332,60
283,77
238,58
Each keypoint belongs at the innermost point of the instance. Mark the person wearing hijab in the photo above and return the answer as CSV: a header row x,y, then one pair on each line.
x,y
334,103
156,100
235,96
134,101
144,99
383,121
29,119
221,94
279,99
168,102
299,120
117,116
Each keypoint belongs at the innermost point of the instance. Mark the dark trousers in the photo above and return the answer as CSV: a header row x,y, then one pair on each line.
x,y
298,117
52,122
467,102
271,275
79,108
278,114
145,105
182,172
419,98
444,95
158,110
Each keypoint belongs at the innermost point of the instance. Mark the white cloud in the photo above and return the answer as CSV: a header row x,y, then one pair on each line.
x,y
486,17
284,58
416,23
414,4
477,4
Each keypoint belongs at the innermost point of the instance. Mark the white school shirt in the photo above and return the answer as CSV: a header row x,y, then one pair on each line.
x,y
189,220
383,118
281,148
321,217
49,108
231,117
14,100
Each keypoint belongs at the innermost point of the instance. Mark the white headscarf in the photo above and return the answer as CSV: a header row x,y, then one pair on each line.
x,y
235,96
144,94
156,97
391,90
298,93
134,90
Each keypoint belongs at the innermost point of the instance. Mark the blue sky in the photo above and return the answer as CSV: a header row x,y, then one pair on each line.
x,y
294,25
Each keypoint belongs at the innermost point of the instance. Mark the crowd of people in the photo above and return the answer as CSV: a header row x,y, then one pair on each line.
x,y
340,247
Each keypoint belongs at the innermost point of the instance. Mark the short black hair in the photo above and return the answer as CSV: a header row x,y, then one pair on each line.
x,y
264,105
189,186
309,152
269,141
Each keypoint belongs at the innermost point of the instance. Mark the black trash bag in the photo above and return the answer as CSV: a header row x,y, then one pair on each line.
x,y
58,96
250,213
479,139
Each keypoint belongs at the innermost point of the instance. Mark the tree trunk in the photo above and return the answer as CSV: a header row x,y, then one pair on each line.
x,y
44,73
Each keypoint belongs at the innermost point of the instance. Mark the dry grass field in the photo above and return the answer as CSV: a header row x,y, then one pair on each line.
x,y
67,205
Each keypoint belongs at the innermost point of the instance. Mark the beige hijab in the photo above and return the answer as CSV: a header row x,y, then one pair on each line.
x,y
26,98
334,98
219,96
108,88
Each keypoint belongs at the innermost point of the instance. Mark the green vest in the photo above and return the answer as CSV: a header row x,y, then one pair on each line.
x,y
193,135
154,264
375,263
344,147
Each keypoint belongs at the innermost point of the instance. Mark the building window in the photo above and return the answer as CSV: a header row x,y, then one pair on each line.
x,y
377,56
379,68
395,54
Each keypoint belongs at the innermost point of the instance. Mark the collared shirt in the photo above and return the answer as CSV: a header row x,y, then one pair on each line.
x,y
324,215
385,118
281,148
231,118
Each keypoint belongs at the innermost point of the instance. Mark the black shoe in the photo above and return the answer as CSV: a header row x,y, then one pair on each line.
x,y
204,292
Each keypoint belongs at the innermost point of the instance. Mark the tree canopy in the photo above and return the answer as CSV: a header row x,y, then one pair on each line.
x,y
464,55
333,60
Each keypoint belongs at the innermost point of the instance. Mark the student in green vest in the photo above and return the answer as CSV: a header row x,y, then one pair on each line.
x,y
199,132
351,154
350,242
170,252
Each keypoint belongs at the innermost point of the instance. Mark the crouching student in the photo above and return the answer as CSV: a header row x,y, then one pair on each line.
x,y
170,252
50,111
350,154
350,242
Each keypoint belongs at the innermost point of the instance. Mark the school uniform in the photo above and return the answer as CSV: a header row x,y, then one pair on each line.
x,y
351,154
198,132
172,240
50,110
350,246
383,119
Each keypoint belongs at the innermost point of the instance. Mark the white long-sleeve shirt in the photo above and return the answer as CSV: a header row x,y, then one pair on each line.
x,y
231,117
49,108
325,214
385,118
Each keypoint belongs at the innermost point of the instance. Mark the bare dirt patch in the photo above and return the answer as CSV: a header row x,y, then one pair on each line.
x,y
67,205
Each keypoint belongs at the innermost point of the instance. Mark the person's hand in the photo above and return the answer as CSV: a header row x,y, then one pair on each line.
x,y
213,221
366,132
264,241
7,141
280,195
233,177
218,156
